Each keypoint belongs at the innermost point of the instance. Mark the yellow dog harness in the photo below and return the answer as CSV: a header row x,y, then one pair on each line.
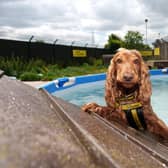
x,y
133,111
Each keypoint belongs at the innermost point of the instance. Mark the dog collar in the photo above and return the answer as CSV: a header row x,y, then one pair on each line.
x,y
125,98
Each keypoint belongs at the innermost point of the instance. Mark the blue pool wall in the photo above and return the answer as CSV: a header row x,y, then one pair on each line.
x,y
67,82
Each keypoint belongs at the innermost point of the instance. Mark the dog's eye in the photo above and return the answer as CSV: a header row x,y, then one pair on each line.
x,y
136,61
119,61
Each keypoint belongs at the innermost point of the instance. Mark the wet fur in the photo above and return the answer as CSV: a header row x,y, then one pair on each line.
x,y
113,89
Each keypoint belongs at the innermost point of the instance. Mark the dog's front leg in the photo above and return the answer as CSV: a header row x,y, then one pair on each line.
x,y
109,113
103,111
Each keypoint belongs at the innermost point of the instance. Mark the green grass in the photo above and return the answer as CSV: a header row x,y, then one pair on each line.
x,y
54,71
34,70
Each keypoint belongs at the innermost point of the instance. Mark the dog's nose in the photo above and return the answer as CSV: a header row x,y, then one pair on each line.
x,y
128,77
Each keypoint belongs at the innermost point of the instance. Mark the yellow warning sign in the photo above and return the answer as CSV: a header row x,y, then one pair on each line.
x,y
79,53
146,53
156,51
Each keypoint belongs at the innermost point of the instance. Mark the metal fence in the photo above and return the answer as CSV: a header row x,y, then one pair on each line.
x,y
50,53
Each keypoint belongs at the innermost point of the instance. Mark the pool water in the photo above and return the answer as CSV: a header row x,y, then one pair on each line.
x,y
94,92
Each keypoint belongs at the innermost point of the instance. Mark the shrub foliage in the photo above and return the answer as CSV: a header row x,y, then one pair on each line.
x,y
38,70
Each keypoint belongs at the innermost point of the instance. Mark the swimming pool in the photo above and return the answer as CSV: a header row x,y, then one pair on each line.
x,y
94,92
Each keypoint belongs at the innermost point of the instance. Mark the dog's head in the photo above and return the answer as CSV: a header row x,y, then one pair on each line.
x,y
127,66
127,70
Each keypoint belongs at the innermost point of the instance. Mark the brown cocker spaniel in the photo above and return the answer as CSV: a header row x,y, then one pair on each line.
x,y
127,94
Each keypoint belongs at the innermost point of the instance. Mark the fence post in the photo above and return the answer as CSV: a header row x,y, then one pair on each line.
x,y
53,57
29,48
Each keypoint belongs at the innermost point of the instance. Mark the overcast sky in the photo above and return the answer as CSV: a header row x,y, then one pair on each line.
x,y
82,20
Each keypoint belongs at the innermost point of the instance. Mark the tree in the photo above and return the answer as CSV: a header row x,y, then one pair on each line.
x,y
134,40
114,42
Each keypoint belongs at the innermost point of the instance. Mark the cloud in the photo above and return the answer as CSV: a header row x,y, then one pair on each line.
x,y
155,6
78,19
119,13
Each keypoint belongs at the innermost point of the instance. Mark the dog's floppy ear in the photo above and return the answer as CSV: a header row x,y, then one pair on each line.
x,y
145,89
110,86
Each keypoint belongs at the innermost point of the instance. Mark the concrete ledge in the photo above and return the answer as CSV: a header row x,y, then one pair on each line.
x,y
39,130
117,140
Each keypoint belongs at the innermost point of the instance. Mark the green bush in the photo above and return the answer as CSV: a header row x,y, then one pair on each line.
x,y
30,76
16,66
12,66
98,62
30,70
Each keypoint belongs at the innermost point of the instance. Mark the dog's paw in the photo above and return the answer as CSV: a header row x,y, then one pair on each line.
x,y
90,107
